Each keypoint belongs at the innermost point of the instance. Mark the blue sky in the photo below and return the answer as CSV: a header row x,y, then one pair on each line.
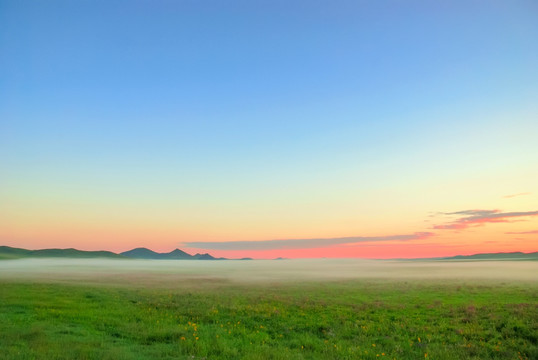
x,y
219,102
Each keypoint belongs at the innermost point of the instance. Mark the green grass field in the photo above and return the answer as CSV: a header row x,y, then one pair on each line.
x,y
212,318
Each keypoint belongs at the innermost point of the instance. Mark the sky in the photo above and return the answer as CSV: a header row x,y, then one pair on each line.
x,y
372,129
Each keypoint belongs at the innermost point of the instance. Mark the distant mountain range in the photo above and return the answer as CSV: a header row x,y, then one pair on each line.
x,y
143,253
7,252
495,256
517,256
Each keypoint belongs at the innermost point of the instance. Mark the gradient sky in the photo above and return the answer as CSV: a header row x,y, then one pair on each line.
x,y
270,128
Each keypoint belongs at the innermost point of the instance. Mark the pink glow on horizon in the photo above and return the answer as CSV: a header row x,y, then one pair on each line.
x,y
370,251
373,250
469,236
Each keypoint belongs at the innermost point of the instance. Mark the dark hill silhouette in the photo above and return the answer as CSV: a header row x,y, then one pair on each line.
x,y
178,254
513,256
495,256
143,253
203,257
7,252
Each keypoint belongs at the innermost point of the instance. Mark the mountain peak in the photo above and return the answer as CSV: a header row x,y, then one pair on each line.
x,y
177,251
176,254
141,253
205,256
140,249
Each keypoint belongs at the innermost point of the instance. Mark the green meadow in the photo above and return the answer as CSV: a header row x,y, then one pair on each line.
x,y
95,312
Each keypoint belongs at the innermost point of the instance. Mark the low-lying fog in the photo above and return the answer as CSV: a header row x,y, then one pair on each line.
x,y
170,272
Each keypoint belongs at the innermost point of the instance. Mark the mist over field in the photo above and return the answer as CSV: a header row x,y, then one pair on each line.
x,y
175,273
267,309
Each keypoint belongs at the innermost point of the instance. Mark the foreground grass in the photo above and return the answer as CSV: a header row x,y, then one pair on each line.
x,y
207,320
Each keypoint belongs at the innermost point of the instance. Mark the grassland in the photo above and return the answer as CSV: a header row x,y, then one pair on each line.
x,y
187,313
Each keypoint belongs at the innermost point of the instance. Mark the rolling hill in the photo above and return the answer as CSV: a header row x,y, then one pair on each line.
x,y
143,253
495,256
7,252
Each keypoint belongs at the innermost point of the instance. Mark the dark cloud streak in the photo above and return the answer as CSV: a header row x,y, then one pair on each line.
x,y
473,212
301,243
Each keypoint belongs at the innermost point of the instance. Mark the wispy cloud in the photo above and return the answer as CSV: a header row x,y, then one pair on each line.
x,y
480,217
474,212
522,232
518,194
301,243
